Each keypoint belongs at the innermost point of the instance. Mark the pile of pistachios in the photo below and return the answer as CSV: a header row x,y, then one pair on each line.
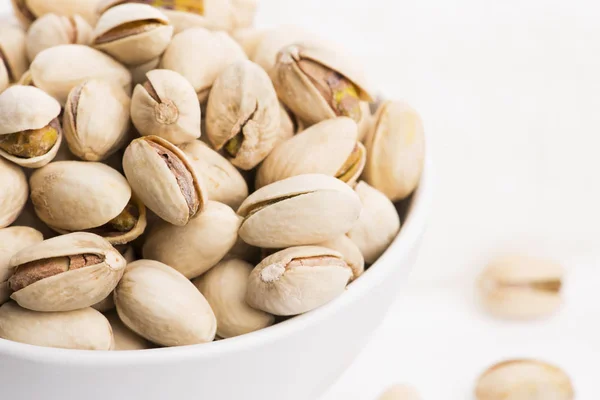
x,y
172,175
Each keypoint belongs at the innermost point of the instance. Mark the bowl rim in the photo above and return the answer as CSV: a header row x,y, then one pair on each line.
x,y
412,229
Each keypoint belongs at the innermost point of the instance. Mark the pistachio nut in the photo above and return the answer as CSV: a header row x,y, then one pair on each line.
x,y
84,329
133,33
12,240
400,392
524,379
349,251
108,303
13,57
395,150
59,69
96,119
163,178
243,114
29,10
318,83
297,280
289,124
224,287
196,247
65,273
223,181
187,54
249,39
300,210
125,338
521,287
166,105
273,40
138,72
163,306
53,30
30,133
13,192
378,224
329,147
366,121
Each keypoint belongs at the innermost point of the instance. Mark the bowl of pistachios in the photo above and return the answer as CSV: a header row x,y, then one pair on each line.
x,y
191,207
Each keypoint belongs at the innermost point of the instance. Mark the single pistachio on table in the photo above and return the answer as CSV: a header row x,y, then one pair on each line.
x,y
163,178
196,247
13,56
224,287
249,39
273,40
125,338
96,119
329,147
65,273
53,30
243,114
349,251
524,380
223,181
200,56
59,69
300,210
14,191
108,303
138,72
297,280
29,10
319,83
378,223
400,392
30,132
163,306
133,33
84,329
166,105
521,287
395,150
67,200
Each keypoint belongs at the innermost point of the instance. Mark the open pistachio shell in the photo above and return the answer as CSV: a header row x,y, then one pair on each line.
x,y
195,248
273,40
53,30
125,338
166,105
223,181
329,147
84,329
163,306
243,114
65,273
349,251
59,69
29,10
13,192
297,280
396,150
163,178
300,210
13,56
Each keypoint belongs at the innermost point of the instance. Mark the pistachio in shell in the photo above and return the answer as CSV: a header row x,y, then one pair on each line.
x,y
243,114
83,329
13,56
297,280
125,338
13,192
29,10
65,273
273,40
162,177
300,210
349,251
163,306
108,303
395,150
53,30
166,105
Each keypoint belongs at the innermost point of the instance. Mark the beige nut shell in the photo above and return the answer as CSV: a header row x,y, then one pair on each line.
x,y
37,8
13,192
273,40
349,251
216,15
12,240
53,30
12,46
125,338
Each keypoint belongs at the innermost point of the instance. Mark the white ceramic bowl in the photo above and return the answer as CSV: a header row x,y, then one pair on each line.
x,y
295,360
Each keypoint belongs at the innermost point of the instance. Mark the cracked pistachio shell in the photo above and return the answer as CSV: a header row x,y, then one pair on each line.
x,y
349,251
224,287
59,69
125,338
524,380
53,30
223,181
328,148
297,280
243,114
138,72
12,240
166,105
187,54
13,192
273,40
84,329
65,273
400,392
521,287
13,56
378,224
395,150
30,133
196,247
163,178
133,33
96,119
29,10
163,306
108,303
300,210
